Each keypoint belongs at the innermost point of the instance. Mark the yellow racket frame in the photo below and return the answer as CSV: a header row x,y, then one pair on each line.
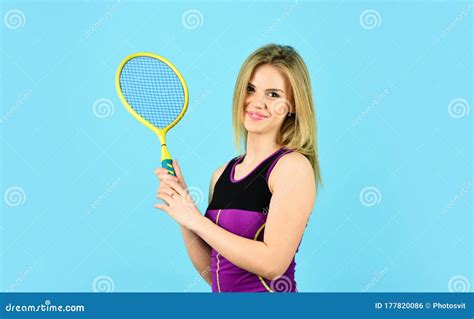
x,y
166,158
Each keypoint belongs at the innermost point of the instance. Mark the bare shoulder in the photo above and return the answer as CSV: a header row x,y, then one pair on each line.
x,y
215,176
218,172
292,166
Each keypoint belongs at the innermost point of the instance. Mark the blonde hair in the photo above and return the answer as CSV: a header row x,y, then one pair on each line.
x,y
297,132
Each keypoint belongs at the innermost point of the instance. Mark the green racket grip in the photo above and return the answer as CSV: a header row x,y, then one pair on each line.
x,y
168,164
166,160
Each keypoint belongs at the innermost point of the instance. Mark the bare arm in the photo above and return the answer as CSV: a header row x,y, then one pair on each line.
x,y
294,193
198,250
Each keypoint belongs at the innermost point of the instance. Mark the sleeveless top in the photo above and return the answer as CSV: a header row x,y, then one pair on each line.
x,y
241,207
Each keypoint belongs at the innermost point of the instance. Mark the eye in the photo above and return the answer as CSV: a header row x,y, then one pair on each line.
x,y
273,94
250,89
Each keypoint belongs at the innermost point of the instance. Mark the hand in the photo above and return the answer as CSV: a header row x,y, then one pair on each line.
x,y
179,205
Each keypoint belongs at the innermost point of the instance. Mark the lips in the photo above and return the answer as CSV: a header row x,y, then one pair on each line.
x,y
256,116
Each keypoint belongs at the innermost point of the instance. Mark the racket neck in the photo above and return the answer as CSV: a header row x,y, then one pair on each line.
x,y
166,159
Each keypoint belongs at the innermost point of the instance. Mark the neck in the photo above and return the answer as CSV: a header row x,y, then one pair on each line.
x,y
259,146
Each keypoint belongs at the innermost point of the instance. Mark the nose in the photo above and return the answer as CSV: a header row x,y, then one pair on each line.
x,y
257,101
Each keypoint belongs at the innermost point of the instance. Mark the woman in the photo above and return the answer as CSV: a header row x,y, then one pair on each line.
x,y
260,202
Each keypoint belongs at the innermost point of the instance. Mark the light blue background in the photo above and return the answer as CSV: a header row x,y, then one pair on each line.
x,y
65,159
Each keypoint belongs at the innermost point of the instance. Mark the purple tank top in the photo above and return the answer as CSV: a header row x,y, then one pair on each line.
x,y
241,207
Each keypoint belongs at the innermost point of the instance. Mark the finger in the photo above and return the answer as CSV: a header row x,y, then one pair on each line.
x,y
166,189
166,176
167,198
162,207
162,175
176,186
160,170
178,172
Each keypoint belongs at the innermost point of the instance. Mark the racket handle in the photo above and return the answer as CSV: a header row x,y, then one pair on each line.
x,y
166,160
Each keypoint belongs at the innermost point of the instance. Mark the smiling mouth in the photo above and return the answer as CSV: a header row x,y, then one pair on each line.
x,y
256,116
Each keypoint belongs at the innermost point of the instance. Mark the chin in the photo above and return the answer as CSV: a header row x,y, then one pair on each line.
x,y
255,128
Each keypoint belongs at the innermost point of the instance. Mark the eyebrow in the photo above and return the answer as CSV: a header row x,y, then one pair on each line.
x,y
250,83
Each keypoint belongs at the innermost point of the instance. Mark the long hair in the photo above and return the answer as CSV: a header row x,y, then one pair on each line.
x,y
297,132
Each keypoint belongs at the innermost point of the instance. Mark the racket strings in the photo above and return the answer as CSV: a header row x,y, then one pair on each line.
x,y
153,90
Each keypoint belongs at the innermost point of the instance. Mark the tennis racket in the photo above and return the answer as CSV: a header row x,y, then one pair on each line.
x,y
155,93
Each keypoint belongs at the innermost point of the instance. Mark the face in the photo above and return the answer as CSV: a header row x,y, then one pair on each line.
x,y
267,99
